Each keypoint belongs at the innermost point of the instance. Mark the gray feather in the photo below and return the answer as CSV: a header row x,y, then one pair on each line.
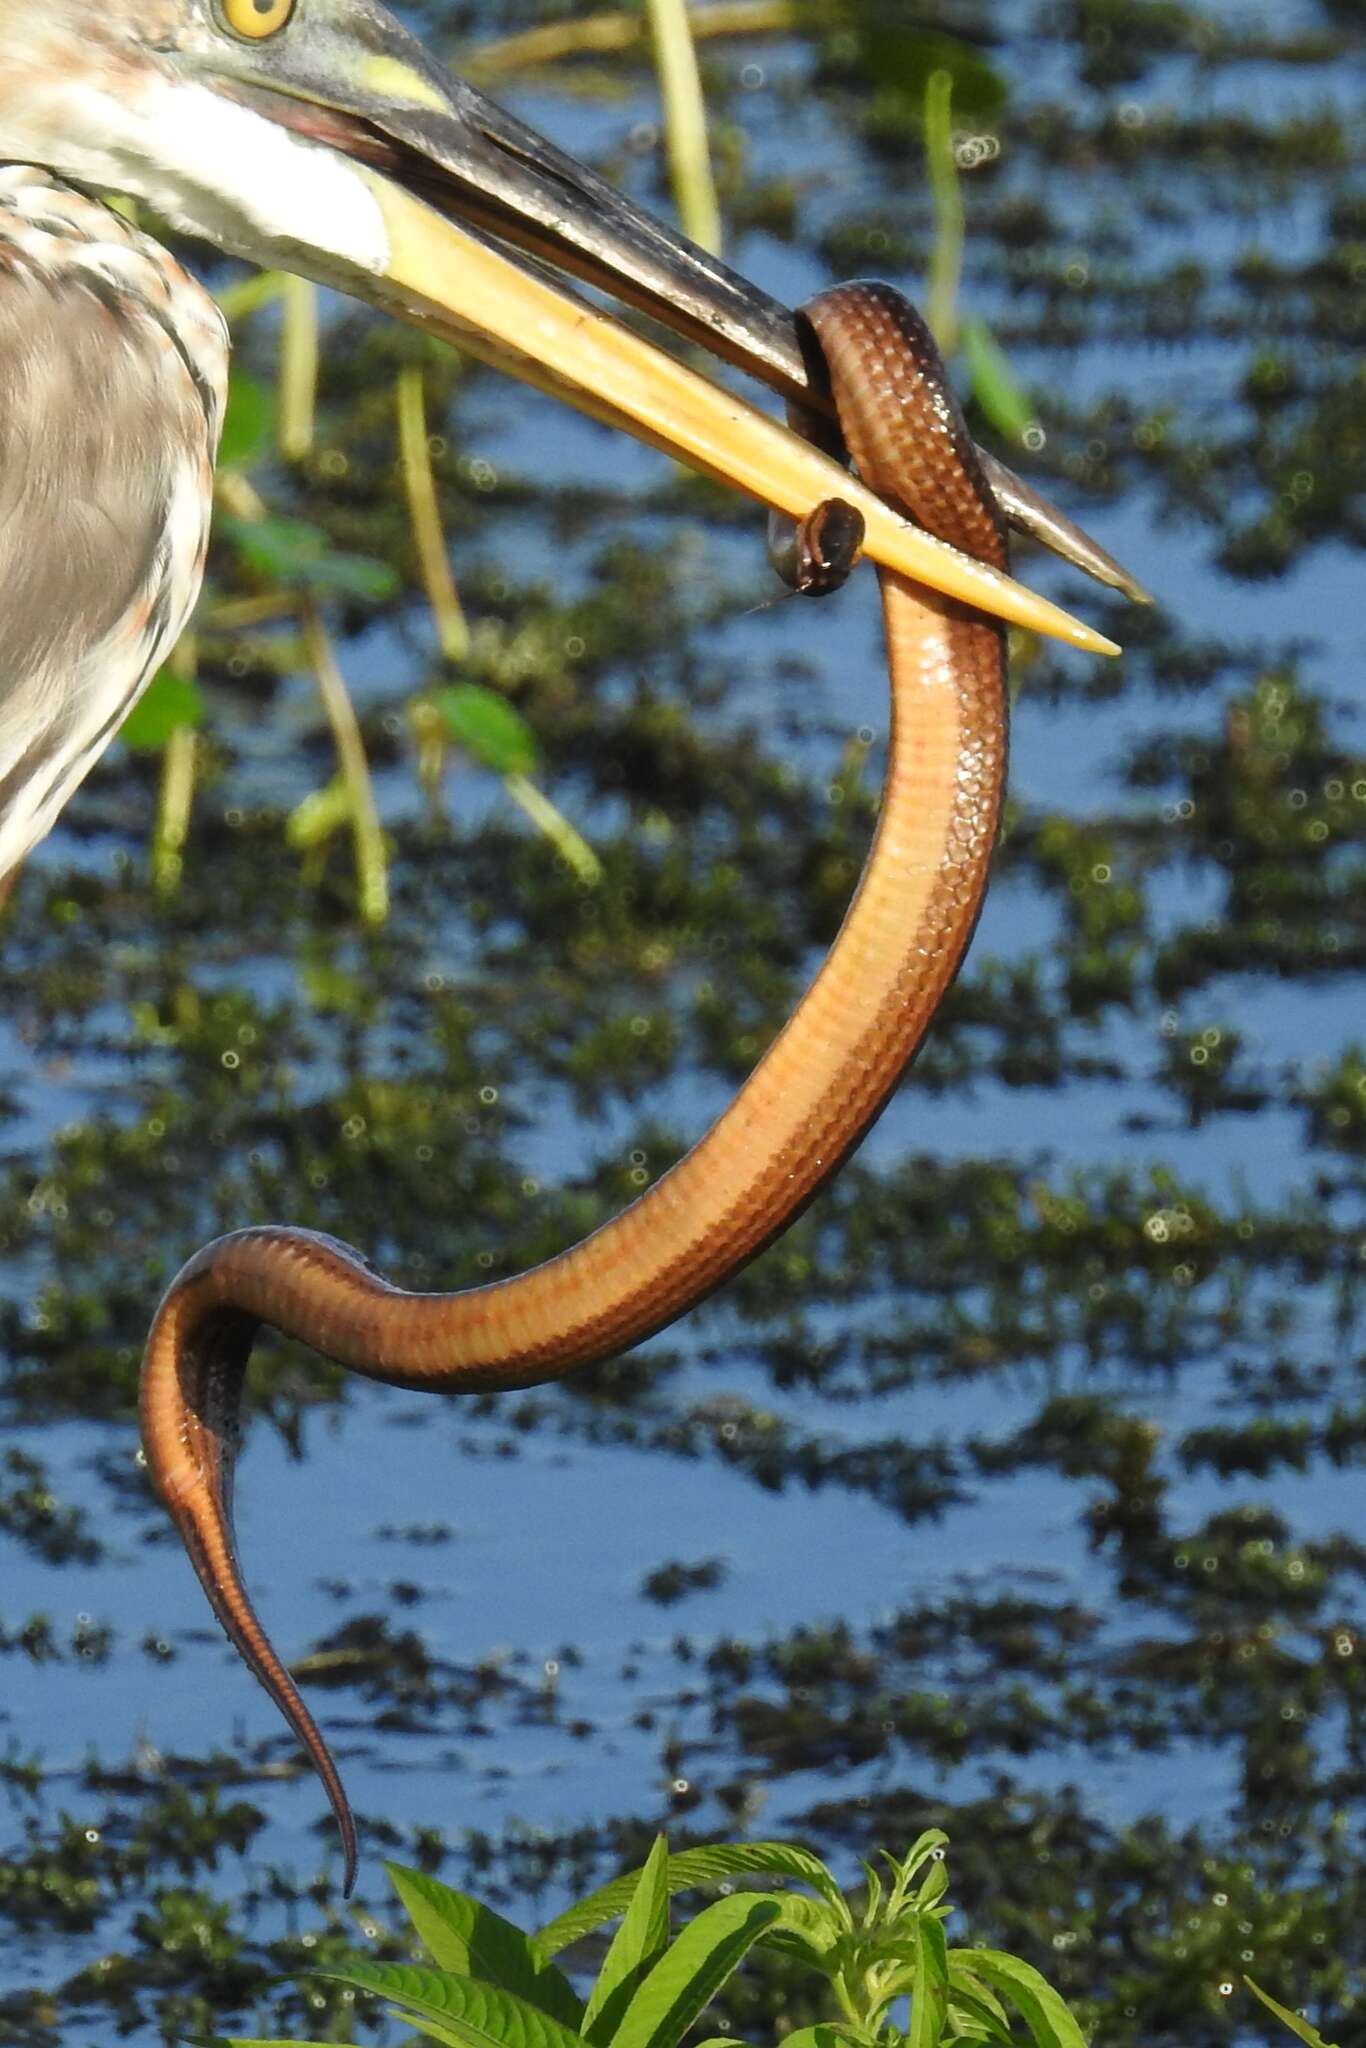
x,y
112,368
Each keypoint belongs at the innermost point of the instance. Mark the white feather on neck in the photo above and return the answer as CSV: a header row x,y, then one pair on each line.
x,y
208,165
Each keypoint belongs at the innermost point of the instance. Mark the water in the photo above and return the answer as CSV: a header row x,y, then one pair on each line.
x,y
1022,1519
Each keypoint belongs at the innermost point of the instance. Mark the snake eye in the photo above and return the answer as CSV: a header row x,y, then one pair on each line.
x,y
256,19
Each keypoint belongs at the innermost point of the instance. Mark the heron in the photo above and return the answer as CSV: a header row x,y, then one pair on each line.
x,y
319,136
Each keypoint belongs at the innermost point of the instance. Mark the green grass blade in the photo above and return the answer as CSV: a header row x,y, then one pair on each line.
x,y
694,1866
636,1947
685,1980
474,1941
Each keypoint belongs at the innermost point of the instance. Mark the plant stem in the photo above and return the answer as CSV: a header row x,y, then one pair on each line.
x,y
246,295
298,367
424,516
572,848
946,252
372,875
175,795
685,123
237,494
614,30
175,791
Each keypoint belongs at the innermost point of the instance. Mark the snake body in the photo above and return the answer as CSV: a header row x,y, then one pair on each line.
x,y
803,1109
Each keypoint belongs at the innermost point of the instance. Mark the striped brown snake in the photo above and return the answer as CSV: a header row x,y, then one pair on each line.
x,y
801,1112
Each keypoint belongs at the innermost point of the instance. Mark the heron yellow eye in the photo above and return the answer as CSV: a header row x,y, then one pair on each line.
x,y
256,19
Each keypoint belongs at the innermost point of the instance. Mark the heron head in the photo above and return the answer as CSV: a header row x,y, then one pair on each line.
x,y
251,122
320,136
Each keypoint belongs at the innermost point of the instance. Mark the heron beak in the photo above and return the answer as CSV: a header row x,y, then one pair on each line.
x,y
443,279
450,171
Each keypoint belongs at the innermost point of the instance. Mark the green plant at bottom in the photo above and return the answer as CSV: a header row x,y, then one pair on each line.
x,y
1298,2025
494,1984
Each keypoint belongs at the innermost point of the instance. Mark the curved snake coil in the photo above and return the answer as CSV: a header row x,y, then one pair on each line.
x,y
803,1109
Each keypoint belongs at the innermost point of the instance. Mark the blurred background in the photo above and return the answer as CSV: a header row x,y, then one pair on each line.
x,y
1017,1490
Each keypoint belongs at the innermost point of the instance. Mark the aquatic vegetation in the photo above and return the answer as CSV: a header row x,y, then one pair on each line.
x,y
1032,1456
653,1988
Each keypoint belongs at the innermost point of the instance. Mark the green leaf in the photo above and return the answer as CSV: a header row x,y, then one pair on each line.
x,y
1298,2026
486,726
921,1848
928,1848
819,2036
694,1866
979,1997
477,2014
636,1947
995,386
474,1941
807,1929
688,1976
929,2002
435,2030
298,554
975,2018
1041,2008
169,702
248,424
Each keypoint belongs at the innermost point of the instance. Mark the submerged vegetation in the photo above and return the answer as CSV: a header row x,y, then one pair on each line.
x,y
1023,1476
